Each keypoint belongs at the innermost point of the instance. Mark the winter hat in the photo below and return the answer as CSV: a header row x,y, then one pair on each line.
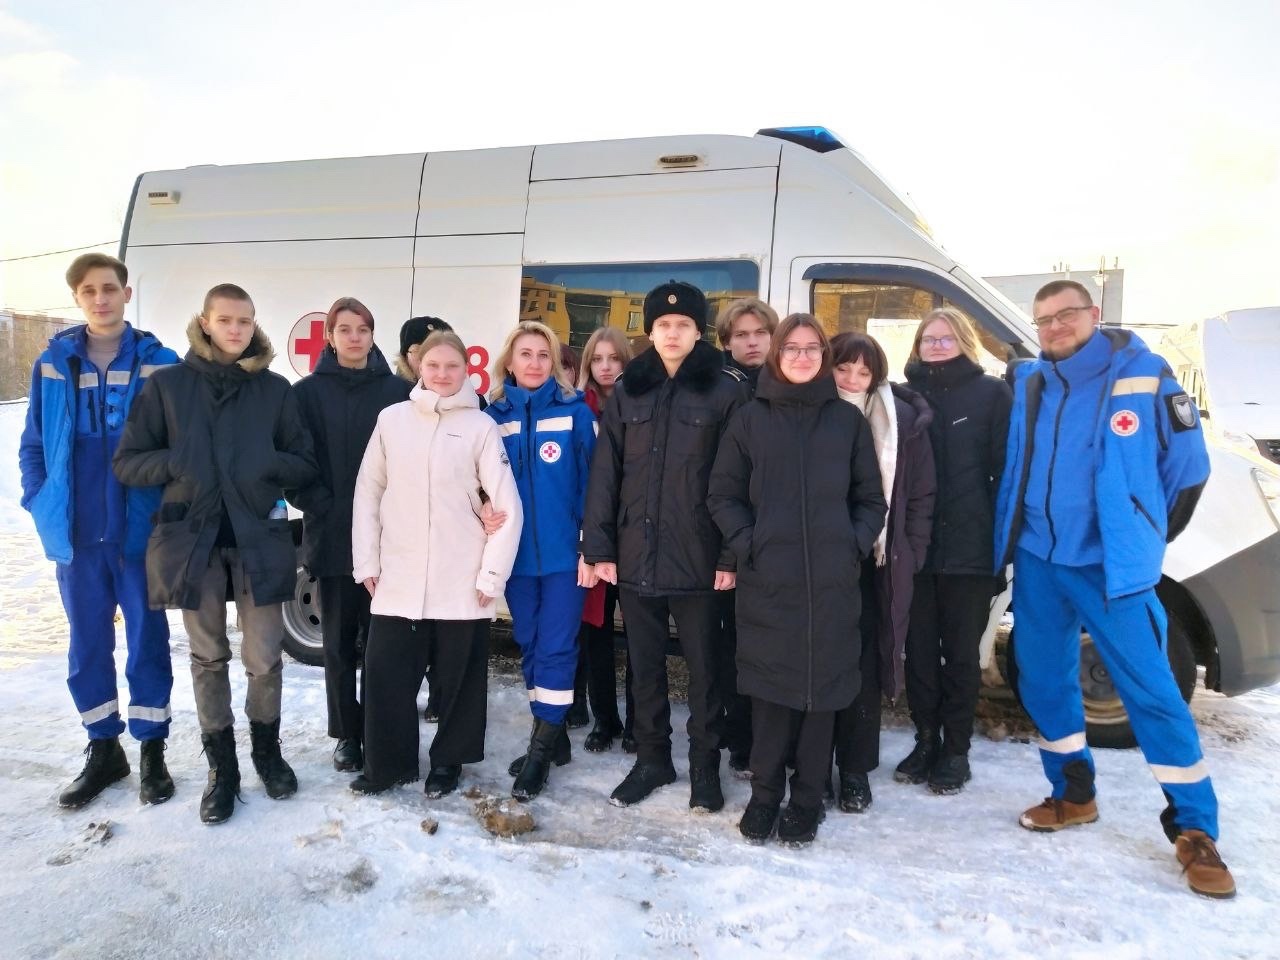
x,y
417,329
675,297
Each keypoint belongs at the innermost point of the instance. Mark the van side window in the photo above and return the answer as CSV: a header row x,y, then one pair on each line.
x,y
611,294
891,313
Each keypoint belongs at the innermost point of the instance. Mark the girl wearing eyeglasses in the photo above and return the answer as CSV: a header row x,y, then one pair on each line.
x,y
796,491
953,591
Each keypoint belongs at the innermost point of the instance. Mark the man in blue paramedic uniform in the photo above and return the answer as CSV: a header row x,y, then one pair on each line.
x,y
96,530
1105,464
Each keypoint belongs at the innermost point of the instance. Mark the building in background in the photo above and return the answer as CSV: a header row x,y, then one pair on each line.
x,y
23,338
1106,286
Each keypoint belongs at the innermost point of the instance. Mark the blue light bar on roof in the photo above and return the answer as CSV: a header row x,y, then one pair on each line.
x,y
818,139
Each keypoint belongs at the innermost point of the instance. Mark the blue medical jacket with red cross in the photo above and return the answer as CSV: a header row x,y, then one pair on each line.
x,y
549,435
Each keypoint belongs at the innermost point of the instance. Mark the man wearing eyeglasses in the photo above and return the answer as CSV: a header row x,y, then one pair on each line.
x,y
1105,464
96,530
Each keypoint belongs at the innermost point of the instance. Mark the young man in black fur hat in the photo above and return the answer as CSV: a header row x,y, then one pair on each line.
x,y
647,529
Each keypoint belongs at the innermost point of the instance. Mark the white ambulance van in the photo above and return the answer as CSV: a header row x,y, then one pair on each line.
x,y
575,234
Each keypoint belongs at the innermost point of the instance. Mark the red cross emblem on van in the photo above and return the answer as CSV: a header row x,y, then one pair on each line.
x,y
306,342
1124,423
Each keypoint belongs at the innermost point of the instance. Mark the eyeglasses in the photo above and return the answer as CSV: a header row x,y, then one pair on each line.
x,y
946,343
1062,317
792,351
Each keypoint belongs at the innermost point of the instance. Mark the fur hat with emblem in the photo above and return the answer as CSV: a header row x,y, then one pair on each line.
x,y
675,297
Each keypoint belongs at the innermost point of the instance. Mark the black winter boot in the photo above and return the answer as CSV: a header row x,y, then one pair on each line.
x,y
950,773
348,756
537,762
799,825
601,736
855,792
442,781
644,778
704,789
628,738
156,784
219,799
277,776
104,764
756,825
915,768
563,752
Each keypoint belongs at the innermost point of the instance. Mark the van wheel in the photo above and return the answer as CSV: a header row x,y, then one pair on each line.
x,y
302,637
1106,722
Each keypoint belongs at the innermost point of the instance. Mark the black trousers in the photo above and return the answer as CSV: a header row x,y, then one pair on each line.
x,y
697,623
858,725
596,667
394,659
737,707
783,736
344,611
948,614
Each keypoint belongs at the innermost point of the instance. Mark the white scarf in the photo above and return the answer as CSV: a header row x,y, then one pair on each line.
x,y
882,415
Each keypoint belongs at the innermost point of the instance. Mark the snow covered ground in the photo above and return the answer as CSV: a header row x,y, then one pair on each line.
x,y
328,874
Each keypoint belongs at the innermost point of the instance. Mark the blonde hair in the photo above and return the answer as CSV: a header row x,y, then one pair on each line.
x,y
442,338
960,325
616,339
500,371
739,308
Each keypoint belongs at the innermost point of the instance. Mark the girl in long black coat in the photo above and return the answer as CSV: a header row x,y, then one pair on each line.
x,y
953,591
796,492
899,419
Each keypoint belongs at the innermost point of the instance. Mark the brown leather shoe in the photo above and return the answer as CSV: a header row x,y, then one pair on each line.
x,y
1055,814
1206,874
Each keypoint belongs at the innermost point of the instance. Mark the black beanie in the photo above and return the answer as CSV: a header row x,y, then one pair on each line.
x,y
417,329
675,297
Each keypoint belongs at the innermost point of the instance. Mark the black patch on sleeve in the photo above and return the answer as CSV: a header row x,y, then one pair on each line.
x,y
1182,412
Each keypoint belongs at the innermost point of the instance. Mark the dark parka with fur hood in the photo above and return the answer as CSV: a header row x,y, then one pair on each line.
x,y
797,491
646,504
216,433
340,408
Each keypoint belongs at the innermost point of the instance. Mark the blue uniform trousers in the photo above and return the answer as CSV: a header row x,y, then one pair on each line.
x,y
97,581
1050,602
545,613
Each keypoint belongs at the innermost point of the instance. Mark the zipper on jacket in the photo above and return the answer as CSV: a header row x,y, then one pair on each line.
x,y
808,571
1139,508
1053,459
530,453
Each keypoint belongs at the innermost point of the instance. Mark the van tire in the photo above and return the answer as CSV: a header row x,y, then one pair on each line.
x,y
302,637
1106,722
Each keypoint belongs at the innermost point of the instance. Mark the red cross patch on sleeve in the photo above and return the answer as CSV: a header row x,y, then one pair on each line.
x,y
1124,423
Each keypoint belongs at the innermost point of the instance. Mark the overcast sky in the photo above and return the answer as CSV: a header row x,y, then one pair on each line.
x,y
1028,133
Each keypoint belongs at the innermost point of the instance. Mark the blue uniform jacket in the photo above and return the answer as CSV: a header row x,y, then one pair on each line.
x,y
1149,469
74,421
549,439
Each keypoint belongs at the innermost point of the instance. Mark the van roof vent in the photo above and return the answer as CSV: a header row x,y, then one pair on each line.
x,y
818,139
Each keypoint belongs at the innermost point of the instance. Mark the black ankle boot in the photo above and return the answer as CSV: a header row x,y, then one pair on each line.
x,y
855,792
601,736
277,776
104,764
537,762
562,754
219,799
156,784
919,762
348,756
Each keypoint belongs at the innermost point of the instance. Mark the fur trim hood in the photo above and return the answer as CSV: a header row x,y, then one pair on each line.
x,y
700,371
256,357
